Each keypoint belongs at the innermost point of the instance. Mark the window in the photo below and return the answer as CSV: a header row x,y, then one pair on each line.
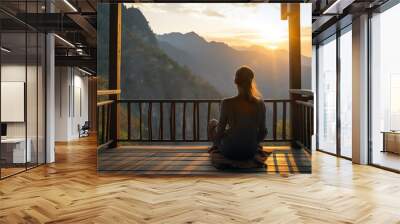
x,y
394,102
346,93
385,89
22,75
327,95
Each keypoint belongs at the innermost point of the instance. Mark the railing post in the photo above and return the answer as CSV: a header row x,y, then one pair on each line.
x,y
103,124
275,120
140,121
293,119
284,120
194,121
115,67
129,121
97,124
208,116
184,121
198,121
149,121
172,120
161,134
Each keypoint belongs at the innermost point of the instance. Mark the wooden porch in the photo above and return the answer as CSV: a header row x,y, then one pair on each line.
x,y
194,160
181,122
170,137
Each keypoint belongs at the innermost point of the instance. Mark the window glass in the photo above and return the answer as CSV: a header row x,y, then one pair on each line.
x,y
22,88
385,89
327,96
346,94
15,151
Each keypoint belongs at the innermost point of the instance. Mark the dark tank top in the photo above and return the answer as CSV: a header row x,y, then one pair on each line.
x,y
241,127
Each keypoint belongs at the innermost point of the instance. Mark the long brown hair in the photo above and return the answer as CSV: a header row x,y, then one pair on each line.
x,y
244,78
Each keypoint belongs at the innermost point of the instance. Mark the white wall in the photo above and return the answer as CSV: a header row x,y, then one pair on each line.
x,y
80,111
33,127
16,73
71,103
61,103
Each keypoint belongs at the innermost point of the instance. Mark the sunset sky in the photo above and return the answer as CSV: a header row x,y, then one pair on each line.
x,y
238,25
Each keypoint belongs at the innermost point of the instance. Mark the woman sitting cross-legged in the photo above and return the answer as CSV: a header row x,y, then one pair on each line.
x,y
241,127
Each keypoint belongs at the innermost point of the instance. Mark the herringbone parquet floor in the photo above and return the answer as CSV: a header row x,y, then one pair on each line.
x,y
71,191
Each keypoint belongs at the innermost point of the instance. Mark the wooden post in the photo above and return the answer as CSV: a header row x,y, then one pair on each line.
x,y
115,66
294,46
291,12
92,85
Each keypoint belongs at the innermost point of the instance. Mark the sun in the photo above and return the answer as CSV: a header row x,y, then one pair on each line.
x,y
272,38
272,47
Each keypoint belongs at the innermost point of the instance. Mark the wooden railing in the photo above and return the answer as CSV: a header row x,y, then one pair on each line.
x,y
305,125
187,120
108,92
303,118
103,122
107,109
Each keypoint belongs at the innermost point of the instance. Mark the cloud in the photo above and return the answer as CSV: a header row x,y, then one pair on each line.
x,y
213,13
179,8
163,7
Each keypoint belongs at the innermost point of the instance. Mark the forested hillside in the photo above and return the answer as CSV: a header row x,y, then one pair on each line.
x,y
146,71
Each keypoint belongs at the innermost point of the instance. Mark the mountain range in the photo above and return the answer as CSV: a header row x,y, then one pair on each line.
x,y
216,62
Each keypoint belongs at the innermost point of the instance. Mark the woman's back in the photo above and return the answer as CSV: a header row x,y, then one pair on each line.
x,y
241,127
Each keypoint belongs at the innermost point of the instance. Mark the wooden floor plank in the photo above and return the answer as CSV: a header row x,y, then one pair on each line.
x,y
193,158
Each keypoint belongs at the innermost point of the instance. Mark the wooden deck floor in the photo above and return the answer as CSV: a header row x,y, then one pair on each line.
x,y
194,160
72,191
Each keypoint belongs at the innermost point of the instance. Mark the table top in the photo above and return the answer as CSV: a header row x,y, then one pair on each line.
x,y
13,140
391,132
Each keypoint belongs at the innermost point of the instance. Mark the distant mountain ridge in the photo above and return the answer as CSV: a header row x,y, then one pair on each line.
x,y
216,62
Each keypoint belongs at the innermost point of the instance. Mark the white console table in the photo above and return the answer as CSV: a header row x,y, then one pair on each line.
x,y
17,147
391,142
